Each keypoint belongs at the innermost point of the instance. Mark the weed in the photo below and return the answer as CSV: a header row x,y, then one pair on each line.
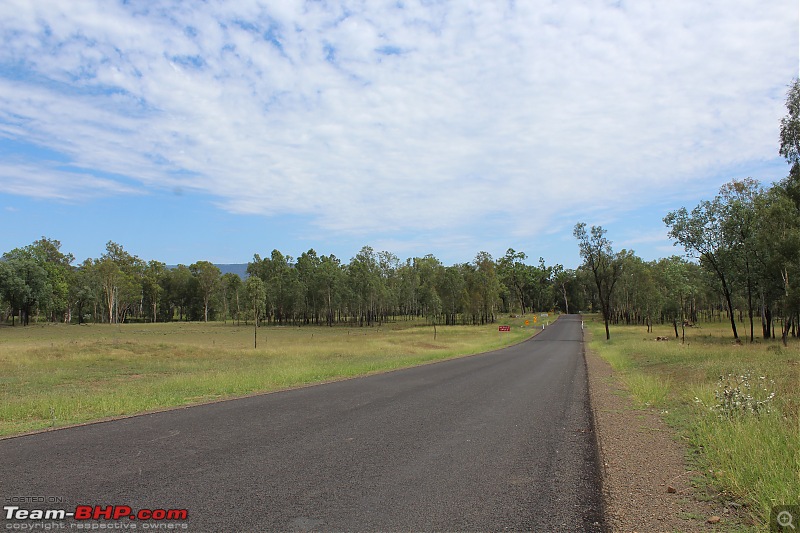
x,y
735,396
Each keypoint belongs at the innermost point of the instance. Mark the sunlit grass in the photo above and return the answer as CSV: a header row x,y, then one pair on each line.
x,y
55,375
755,459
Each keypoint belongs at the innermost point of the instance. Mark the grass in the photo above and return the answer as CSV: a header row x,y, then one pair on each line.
x,y
56,375
751,458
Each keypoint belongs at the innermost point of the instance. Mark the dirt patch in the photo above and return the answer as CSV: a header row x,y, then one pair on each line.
x,y
646,482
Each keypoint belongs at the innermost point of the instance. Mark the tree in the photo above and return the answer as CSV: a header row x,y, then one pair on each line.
x,y
229,287
182,289
331,281
451,288
153,285
599,258
308,265
512,272
207,276
488,285
256,295
284,290
562,279
779,228
12,287
24,285
364,281
739,200
46,253
702,235
782,211
86,289
121,276
790,126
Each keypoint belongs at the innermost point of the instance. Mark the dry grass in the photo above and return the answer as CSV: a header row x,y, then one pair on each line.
x,y
56,375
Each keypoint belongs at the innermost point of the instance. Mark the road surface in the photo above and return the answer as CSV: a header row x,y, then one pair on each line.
x,y
498,441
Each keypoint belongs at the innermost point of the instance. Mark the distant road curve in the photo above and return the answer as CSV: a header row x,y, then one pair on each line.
x,y
498,441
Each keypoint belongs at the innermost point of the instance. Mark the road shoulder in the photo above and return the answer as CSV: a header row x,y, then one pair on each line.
x,y
646,481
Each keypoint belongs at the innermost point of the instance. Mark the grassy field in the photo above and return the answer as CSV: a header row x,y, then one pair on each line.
x,y
744,443
55,375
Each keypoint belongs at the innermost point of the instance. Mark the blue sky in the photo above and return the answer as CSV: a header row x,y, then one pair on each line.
x,y
216,130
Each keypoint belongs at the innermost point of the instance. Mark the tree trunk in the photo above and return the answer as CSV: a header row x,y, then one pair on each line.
x,y
730,311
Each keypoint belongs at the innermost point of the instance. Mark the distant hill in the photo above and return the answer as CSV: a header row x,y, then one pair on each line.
x,y
236,268
239,269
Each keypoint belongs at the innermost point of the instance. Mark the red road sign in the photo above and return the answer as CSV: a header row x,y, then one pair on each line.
x,y
504,328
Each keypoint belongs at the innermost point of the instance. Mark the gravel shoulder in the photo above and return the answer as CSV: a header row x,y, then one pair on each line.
x,y
642,462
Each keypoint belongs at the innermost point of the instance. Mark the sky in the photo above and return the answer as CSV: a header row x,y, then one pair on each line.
x,y
215,130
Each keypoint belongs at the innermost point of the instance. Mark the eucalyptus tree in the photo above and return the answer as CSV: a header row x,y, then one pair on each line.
x,y
182,289
604,265
408,289
389,287
628,303
451,289
121,279
87,290
58,265
704,234
24,285
308,266
672,277
512,271
46,253
364,282
649,299
283,288
10,285
780,231
153,286
563,279
256,296
739,200
541,286
783,210
230,287
331,284
790,126
487,285
427,271
208,276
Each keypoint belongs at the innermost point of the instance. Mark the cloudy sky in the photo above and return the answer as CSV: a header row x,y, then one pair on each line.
x,y
219,129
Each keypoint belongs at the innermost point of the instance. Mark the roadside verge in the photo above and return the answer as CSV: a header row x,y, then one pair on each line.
x,y
646,483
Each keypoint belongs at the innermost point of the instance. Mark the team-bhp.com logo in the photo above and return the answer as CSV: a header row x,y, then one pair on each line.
x,y
95,512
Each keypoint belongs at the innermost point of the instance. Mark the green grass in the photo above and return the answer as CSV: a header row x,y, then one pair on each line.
x,y
754,459
56,375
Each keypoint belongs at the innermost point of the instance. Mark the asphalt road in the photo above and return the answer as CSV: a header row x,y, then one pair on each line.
x,y
499,441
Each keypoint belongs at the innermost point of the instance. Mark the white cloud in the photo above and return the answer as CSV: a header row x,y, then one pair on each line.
x,y
41,181
366,115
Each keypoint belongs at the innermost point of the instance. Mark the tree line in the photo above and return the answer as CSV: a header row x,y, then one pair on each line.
x,y
40,281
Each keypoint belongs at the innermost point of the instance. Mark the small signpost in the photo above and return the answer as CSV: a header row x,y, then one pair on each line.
x,y
504,328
